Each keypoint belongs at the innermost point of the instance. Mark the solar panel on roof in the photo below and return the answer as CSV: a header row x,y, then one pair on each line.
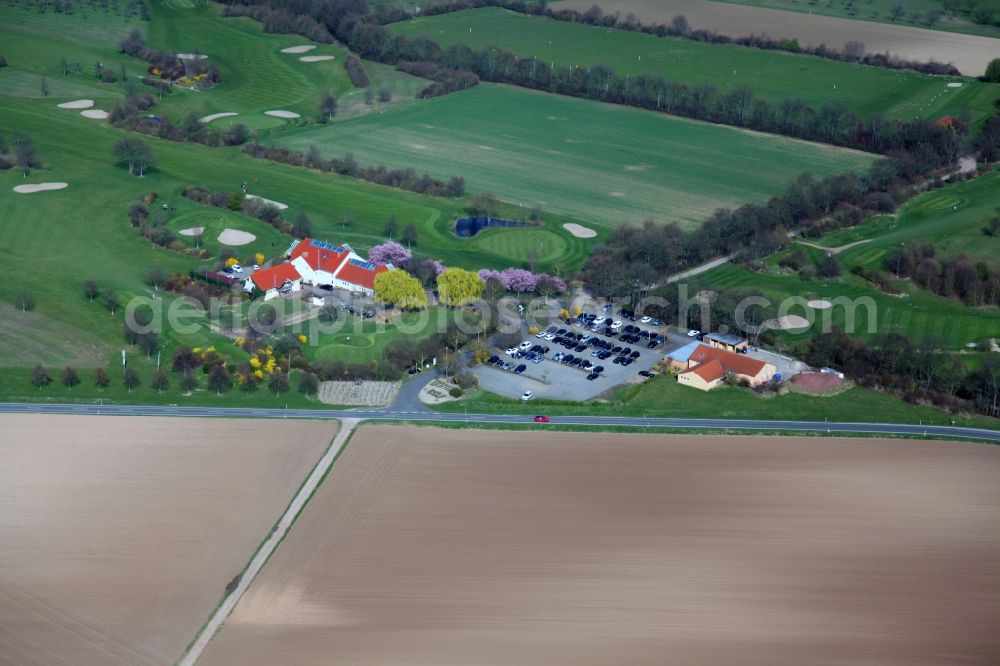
x,y
360,263
323,245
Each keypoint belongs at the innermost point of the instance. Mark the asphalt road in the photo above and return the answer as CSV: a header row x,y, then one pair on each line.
x,y
390,414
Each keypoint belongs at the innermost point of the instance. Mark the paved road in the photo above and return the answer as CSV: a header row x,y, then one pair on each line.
x,y
392,414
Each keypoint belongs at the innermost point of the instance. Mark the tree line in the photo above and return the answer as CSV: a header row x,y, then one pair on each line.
x,y
832,123
404,179
892,362
678,26
647,254
975,283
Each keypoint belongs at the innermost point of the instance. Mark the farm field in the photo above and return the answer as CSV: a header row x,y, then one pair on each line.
x,y
773,75
447,546
879,11
969,53
119,534
597,162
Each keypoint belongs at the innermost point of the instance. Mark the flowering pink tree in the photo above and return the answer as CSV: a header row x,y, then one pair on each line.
x,y
547,285
519,280
490,274
388,253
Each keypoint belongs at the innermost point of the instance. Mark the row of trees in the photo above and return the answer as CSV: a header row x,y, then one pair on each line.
x,y
404,179
976,283
356,71
832,123
648,253
252,206
679,26
894,363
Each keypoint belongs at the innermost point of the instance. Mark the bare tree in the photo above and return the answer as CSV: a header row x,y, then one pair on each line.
x,y
24,154
137,154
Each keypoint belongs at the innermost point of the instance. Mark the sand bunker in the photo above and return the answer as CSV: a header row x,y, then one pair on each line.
x,y
191,56
276,204
281,114
820,304
96,114
192,231
236,237
788,323
635,167
77,104
215,116
39,187
579,231
299,49
954,84
316,58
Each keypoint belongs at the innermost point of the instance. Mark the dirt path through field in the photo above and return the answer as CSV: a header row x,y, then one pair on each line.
x,y
267,548
967,52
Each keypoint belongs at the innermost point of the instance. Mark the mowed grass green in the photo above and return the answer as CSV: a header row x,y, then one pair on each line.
x,y
601,163
773,75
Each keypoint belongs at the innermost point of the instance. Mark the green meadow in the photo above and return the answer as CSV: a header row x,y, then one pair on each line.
x,y
773,75
599,163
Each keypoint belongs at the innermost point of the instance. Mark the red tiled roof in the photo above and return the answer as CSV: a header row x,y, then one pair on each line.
x,y
274,277
326,259
740,364
709,371
945,121
360,275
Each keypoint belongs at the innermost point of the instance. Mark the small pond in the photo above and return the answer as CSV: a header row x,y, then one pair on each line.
x,y
467,227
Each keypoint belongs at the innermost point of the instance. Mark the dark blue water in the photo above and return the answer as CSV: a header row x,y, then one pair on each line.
x,y
467,227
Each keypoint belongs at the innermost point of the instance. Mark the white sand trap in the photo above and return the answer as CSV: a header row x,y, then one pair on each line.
x,y
276,204
215,116
299,49
579,231
820,304
954,84
617,194
96,114
77,104
635,167
191,56
281,114
787,323
192,231
316,58
236,237
39,187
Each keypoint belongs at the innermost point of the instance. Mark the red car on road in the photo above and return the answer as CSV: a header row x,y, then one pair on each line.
x,y
541,419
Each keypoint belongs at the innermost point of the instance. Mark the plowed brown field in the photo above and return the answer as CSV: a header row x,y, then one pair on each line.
x,y
428,546
118,535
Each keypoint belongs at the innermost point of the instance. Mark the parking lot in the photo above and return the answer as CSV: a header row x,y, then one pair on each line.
x,y
549,378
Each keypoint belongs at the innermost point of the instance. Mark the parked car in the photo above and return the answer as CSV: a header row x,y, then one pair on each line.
x,y
646,373
494,359
541,419
617,324
511,351
525,346
592,376
646,320
527,395
599,369
693,333
519,369
652,343
236,268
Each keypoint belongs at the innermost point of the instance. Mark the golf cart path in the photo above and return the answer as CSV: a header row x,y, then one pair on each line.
x,y
835,250
214,623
